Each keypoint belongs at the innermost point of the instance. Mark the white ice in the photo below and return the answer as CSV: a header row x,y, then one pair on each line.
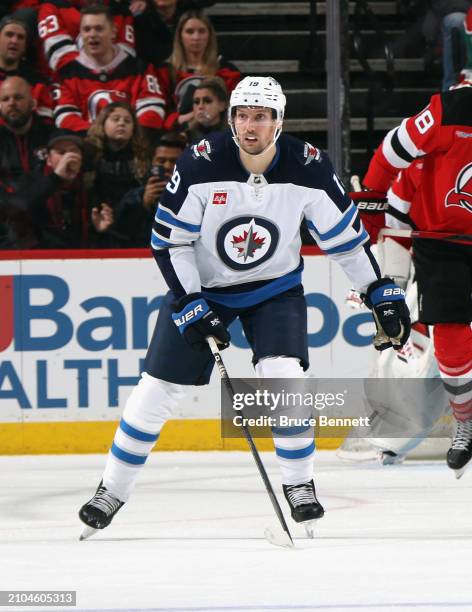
x,y
191,537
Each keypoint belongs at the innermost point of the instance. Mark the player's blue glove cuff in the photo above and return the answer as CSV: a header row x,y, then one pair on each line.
x,y
383,290
196,321
391,314
191,309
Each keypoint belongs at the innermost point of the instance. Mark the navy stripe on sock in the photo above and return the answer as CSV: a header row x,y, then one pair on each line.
x,y
136,433
299,453
127,457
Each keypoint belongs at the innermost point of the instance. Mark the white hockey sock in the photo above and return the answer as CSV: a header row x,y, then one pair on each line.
x,y
294,446
148,407
295,451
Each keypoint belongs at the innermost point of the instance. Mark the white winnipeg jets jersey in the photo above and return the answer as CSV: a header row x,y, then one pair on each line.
x,y
236,235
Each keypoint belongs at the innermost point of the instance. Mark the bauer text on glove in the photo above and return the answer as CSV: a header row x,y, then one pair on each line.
x,y
390,312
195,321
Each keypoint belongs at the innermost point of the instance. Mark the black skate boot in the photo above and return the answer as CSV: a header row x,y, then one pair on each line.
x,y
460,453
304,506
99,511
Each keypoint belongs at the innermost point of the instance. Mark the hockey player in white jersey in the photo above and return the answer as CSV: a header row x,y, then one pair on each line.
x,y
226,239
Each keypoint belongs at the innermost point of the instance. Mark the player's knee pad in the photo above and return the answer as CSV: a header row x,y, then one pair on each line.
x,y
279,367
152,401
453,345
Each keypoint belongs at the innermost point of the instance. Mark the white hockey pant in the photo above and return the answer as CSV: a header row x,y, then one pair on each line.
x,y
294,448
148,407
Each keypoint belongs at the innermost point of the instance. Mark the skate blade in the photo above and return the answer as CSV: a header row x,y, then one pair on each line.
x,y
278,537
310,528
459,473
356,456
87,533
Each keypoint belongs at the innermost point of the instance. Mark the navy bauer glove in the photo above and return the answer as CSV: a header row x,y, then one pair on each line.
x,y
391,314
195,321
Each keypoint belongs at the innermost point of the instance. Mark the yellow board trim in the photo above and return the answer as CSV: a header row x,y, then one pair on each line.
x,y
97,436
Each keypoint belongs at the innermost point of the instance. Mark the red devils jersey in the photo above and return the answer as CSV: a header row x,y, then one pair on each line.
x,y
404,198
85,89
441,135
59,27
176,90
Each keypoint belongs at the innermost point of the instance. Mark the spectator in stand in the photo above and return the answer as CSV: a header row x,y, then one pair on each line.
x,y
170,11
23,133
135,213
443,17
194,58
155,22
62,220
121,163
59,23
47,208
467,71
104,73
14,36
153,36
23,139
210,105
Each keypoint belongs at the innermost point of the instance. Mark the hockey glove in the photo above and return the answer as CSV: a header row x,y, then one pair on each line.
x,y
196,321
390,312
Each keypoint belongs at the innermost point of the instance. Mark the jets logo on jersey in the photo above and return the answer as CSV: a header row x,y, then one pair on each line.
x,y
101,98
202,149
311,153
246,242
461,195
220,197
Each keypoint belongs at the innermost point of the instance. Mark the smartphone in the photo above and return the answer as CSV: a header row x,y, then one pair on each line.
x,y
159,171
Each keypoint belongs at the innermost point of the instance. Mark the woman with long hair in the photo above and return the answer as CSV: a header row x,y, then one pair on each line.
x,y
194,58
120,162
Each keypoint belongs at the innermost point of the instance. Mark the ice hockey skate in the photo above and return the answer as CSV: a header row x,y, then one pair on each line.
x,y
460,453
304,506
357,449
389,457
99,511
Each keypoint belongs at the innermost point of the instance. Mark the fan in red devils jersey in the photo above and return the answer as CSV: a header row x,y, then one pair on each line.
x,y
441,134
59,29
104,73
14,38
194,58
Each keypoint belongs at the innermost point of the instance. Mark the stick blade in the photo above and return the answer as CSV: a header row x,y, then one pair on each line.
x,y
278,537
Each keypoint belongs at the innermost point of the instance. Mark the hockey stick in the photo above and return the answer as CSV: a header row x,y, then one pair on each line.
x,y
405,233
282,538
448,236
374,202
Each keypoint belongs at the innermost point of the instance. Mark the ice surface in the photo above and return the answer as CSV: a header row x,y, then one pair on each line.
x,y
191,537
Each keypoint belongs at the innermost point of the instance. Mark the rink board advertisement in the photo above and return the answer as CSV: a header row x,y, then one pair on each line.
x,y
73,336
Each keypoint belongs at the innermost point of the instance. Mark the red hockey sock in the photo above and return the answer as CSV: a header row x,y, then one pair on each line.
x,y
453,349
